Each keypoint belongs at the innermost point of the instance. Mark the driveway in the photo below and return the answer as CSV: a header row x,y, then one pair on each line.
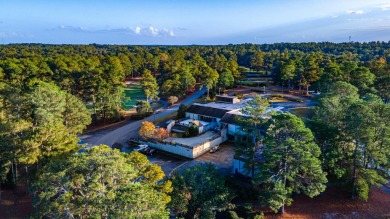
x,y
307,102
222,159
124,133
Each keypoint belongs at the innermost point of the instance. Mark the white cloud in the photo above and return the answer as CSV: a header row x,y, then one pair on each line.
x,y
8,34
139,31
385,7
65,27
153,31
355,12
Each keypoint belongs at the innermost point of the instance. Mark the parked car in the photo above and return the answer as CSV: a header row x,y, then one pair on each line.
x,y
149,151
215,149
140,148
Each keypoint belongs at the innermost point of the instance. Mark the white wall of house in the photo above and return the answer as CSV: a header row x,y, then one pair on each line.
x,y
205,147
192,116
238,167
174,149
233,129
224,134
170,125
201,129
185,151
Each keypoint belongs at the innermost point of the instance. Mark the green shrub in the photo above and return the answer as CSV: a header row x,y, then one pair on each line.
x,y
143,107
253,83
249,83
228,215
244,210
259,216
181,112
191,131
140,116
238,95
276,95
209,99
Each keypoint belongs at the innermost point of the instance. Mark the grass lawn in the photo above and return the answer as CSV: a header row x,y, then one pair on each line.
x,y
133,93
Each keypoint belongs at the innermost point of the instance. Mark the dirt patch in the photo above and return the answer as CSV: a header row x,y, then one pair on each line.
x,y
15,203
334,204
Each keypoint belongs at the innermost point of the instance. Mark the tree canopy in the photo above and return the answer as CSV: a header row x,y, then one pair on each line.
x,y
353,135
101,183
199,191
290,162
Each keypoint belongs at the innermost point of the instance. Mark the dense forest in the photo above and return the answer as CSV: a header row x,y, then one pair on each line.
x,y
50,93
95,73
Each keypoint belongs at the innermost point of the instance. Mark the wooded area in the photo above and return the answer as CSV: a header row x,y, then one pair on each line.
x,y
50,93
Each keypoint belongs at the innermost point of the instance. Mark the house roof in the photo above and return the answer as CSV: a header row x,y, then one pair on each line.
x,y
229,99
229,118
232,118
207,111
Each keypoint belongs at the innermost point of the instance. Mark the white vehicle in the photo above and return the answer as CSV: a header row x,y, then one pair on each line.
x,y
215,149
141,147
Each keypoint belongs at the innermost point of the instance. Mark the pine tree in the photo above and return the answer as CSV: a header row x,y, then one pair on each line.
x,y
290,162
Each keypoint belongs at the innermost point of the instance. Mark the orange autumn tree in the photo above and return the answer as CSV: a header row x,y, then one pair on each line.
x,y
161,134
147,130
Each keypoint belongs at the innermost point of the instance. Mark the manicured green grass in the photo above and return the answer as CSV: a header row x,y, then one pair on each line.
x,y
133,93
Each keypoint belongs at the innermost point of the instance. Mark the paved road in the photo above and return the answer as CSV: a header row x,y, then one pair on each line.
x,y
123,134
307,102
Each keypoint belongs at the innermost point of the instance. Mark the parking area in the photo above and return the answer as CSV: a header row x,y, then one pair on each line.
x,y
222,159
167,162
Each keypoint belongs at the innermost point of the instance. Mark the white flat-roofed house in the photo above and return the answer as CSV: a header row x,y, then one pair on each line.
x,y
216,123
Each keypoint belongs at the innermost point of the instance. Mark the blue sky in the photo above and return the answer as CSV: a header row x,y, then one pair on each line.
x,y
183,22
